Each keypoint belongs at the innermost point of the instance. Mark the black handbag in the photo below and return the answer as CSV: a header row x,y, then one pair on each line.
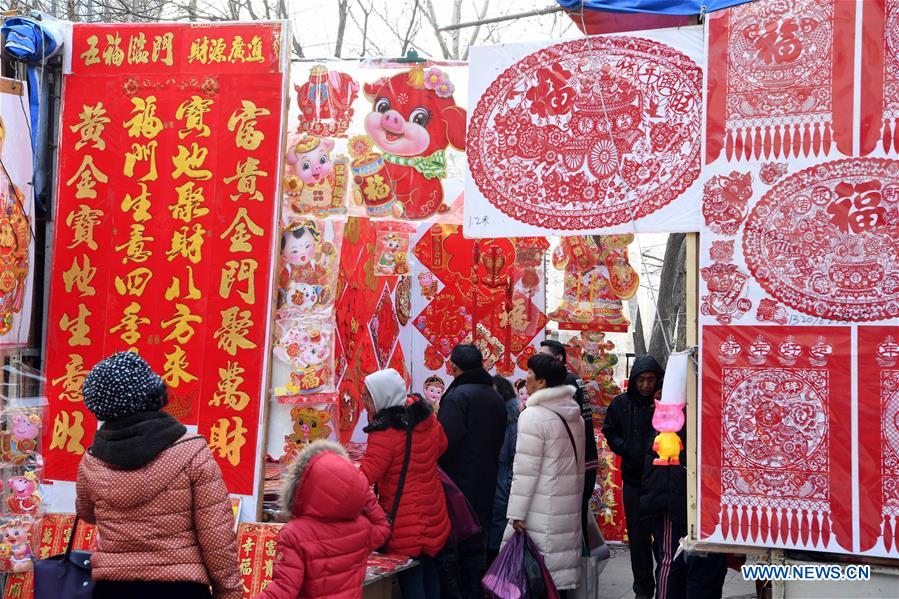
x,y
64,576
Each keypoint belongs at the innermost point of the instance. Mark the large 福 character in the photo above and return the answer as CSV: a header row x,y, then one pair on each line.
x,y
414,119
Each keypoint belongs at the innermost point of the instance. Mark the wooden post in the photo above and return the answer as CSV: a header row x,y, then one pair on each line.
x,y
692,308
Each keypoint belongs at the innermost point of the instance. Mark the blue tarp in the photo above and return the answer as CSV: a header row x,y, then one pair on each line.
x,y
659,7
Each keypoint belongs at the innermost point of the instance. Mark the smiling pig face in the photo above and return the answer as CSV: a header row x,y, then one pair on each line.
x,y
414,114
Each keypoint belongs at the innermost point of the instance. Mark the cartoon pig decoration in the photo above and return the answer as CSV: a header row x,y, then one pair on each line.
x,y
668,419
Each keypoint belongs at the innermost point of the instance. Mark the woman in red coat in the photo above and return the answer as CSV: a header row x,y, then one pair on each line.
x,y
335,524
421,526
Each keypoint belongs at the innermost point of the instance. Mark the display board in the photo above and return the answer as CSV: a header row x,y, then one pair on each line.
x,y
168,172
594,135
799,290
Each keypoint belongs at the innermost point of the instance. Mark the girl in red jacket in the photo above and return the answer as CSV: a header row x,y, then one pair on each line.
x,y
336,523
421,525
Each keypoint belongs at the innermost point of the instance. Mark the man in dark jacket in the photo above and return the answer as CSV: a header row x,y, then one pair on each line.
x,y
663,507
473,416
591,453
627,426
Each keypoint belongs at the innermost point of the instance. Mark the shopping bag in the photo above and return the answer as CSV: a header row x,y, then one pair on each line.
x,y
463,521
596,543
591,568
64,576
506,578
540,582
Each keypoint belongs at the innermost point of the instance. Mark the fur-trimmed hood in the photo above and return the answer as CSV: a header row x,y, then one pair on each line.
x,y
323,483
399,417
559,399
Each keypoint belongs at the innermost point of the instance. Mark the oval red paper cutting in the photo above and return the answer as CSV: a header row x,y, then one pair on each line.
x,y
588,133
825,240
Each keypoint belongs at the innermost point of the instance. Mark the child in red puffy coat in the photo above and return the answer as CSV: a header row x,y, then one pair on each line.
x,y
335,524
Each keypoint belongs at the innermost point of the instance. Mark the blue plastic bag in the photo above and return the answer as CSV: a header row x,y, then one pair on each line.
x,y
506,578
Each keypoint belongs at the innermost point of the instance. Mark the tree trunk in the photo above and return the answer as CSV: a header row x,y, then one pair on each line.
x,y
665,324
343,7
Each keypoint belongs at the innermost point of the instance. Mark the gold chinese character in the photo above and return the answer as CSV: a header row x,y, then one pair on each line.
x,y
269,568
182,325
270,546
143,121
140,204
237,50
240,231
187,245
142,153
245,120
93,121
162,48
73,379
229,392
189,204
248,545
77,327
92,54
135,250
137,52
67,434
80,276
189,162
246,174
83,220
174,290
217,50
246,566
135,282
232,334
113,54
234,271
87,176
227,436
199,50
175,368
129,324
192,112
255,48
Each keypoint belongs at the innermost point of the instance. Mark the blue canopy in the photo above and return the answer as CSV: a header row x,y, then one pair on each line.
x,y
660,7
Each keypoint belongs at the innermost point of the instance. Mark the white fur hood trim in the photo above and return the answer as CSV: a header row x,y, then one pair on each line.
x,y
551,394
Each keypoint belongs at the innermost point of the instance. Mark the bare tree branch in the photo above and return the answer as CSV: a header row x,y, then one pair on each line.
x,y
477,29
343,7
408,37
431,15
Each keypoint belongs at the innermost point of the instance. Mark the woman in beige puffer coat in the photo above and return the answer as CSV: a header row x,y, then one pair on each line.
x,y
548,472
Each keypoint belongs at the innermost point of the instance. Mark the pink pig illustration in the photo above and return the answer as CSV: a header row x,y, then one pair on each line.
x,y
668,419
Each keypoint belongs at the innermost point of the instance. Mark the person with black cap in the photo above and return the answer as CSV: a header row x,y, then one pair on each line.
x,y
473,416
627,427
165,527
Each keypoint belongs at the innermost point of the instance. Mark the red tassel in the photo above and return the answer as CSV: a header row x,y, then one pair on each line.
x,y
775,526
757,143
804,527
797,139
725,521
766,514
816,139
896,533
816,528
734,523
738,144
828,139
886,137
825,528
777,141
895,138
767,142
744,522
729,144
754,525
787,141
888,533
806,140
794,527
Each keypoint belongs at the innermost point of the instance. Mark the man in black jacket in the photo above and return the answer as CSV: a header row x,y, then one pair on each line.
x,y
627,426
591,453
473,416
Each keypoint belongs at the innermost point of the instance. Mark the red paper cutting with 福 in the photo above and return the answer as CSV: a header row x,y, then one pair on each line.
x,y
776,437
168,169
780,80
878,407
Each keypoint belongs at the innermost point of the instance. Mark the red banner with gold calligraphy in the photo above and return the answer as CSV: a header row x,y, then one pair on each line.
x,y
166,210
